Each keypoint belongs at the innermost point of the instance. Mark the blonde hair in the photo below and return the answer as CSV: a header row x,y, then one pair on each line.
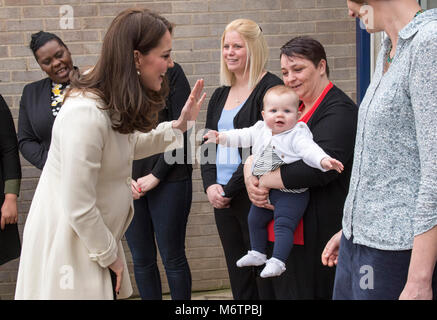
x,y
281,90
257,52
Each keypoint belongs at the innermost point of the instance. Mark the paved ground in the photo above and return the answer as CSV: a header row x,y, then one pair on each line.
x,y
224,294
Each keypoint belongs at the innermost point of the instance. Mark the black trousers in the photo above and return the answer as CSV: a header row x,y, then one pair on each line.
x,y
114,283
233,230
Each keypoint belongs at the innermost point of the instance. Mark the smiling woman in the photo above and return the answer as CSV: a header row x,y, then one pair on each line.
x,y
83,202
42,100
305,69
236,104
331,117
152,66
55,60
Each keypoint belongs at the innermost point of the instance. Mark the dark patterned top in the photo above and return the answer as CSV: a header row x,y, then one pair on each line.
x,y
57,96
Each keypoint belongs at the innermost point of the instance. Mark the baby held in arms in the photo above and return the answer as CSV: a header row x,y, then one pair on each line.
x,y
279,139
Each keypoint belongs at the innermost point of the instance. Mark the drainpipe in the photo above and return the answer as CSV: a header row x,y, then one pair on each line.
x,y
363,60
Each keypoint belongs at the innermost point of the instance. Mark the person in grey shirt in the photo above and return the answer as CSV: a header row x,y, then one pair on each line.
x,y
388,246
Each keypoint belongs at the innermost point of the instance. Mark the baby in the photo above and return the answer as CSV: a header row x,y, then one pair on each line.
x,y
278,140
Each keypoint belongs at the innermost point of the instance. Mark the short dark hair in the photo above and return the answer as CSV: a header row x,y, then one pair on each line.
x,y
41,38
306,47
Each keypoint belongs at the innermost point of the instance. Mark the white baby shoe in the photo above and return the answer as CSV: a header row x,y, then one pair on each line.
x,y
252,258
273,268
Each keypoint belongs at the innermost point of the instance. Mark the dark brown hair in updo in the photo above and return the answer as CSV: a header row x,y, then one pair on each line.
x,y
114,78
307,48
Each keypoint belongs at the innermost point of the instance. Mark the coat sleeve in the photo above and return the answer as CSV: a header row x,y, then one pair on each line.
x,y
30,146
81,141
9,158
162,139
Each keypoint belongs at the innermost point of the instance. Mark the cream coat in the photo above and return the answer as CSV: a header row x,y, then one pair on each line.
x,y
83,204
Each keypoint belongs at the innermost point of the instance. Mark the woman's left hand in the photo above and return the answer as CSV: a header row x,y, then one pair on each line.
x,y
9,210
191,108
136,193
147,183
416,291
118,268
330,253
422,265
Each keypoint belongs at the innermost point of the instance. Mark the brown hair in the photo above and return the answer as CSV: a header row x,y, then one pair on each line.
x,y
114,78
307,48
281,90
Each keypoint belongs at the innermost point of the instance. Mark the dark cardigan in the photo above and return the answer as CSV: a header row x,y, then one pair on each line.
x,y
35,122
248,115
333,126
10,170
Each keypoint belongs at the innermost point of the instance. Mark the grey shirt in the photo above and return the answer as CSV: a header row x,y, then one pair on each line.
x,y
393,188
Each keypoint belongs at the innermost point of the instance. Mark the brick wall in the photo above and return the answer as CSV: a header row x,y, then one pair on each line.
x,y
196,47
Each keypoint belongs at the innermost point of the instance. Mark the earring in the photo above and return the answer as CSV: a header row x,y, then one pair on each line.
x,y
138,72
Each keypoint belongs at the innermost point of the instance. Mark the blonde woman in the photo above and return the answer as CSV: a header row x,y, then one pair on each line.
x,y
236,104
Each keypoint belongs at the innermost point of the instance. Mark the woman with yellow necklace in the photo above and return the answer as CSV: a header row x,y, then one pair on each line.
x,y
388,246
41,100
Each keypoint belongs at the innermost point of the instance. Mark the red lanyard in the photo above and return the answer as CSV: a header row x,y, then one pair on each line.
x,y
298,233
308,115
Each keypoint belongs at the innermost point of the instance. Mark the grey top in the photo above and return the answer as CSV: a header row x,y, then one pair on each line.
x,y
393,188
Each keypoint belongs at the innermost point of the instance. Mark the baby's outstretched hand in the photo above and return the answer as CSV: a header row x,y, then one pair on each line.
x,y
329,163
211,136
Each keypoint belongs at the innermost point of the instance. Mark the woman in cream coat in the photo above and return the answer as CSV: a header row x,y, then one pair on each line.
x,y
83,203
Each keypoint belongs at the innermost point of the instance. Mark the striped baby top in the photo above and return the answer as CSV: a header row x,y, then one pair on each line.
x,y
270,161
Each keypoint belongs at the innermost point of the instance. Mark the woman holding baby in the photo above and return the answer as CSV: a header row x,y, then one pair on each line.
x,y
331,116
